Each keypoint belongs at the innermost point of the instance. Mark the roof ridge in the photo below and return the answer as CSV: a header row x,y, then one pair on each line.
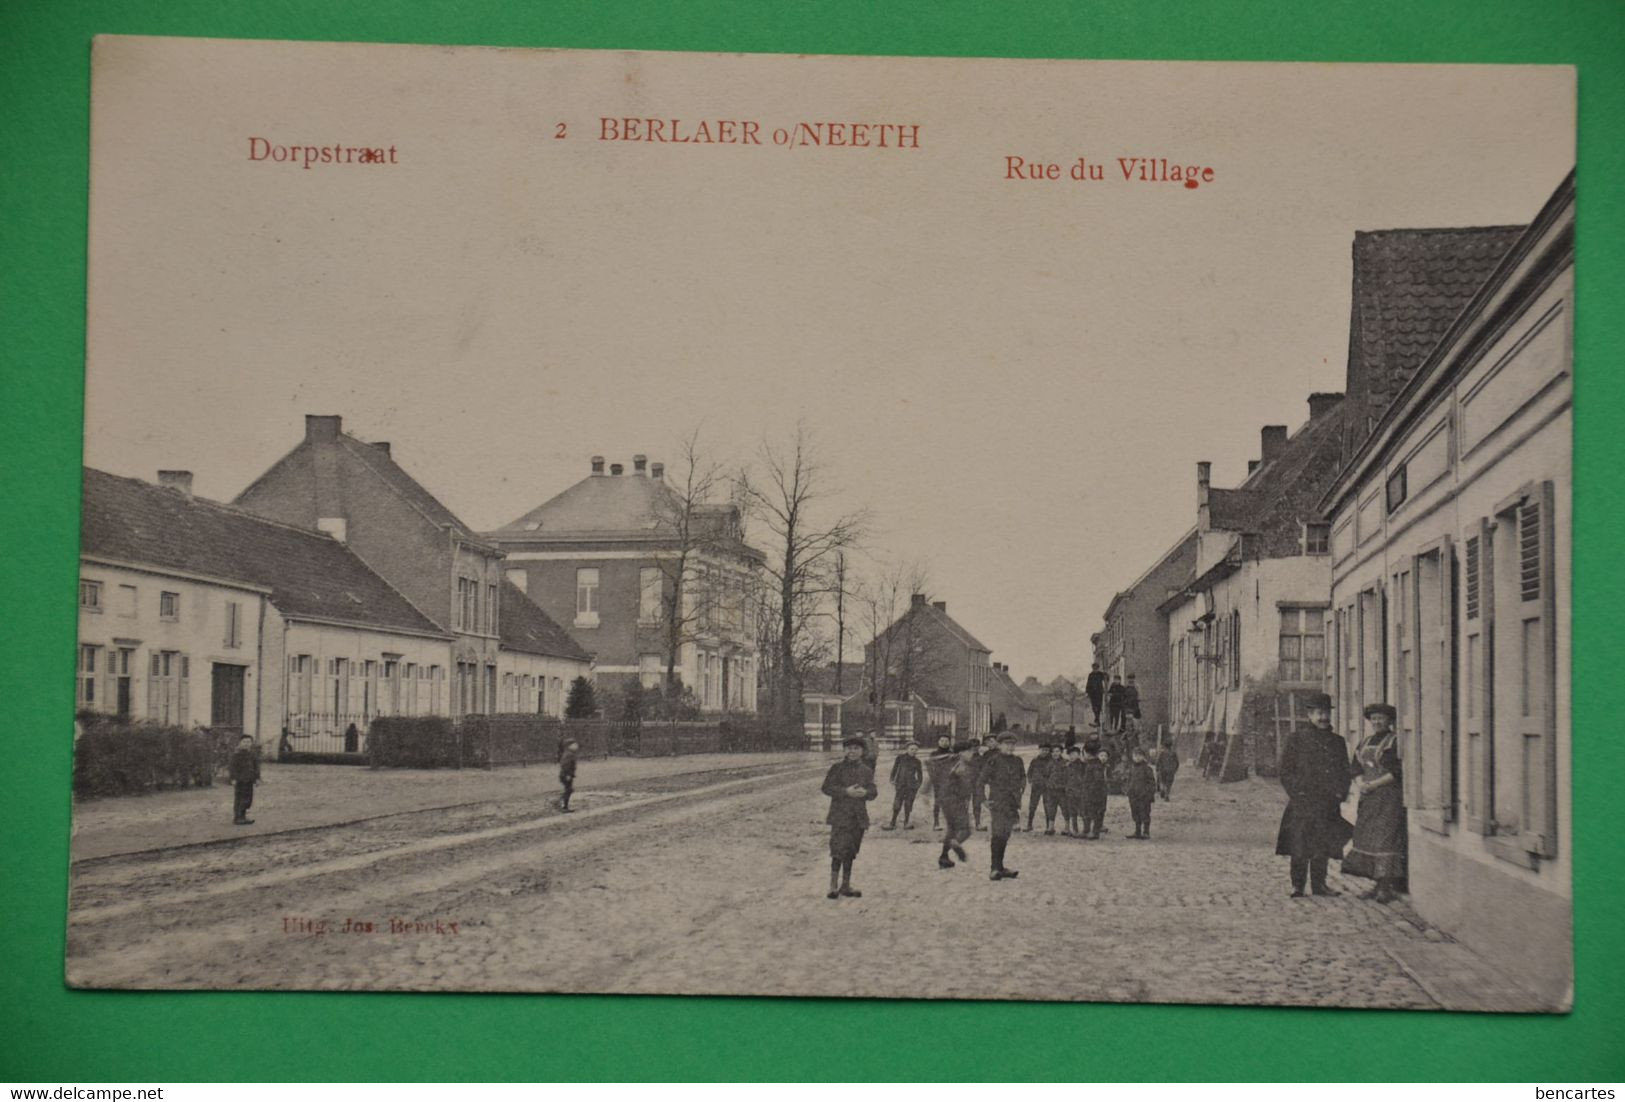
x,y
1437,229
369,452
223,506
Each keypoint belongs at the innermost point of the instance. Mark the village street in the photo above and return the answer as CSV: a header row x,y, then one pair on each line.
x,y
682,875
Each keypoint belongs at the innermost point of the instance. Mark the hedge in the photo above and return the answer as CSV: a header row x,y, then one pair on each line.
x,y
113,758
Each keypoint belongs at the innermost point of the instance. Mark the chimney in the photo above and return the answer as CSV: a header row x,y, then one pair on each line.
x,y
1272,438
639,464
940,606
320,428
597,464
180,481
1252,465
657,470
1322,404
1204,472
917,600
381,445
616,469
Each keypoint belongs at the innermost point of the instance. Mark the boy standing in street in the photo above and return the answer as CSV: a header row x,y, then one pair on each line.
x,y
955,804
984,754
850,785
1094,687
1114,705
1131,705
1141,789
245,774
1094,788
1167,766
567,772
1037,777
905,783
1072,793
1005,777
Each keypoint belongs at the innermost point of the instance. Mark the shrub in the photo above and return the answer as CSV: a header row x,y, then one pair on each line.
x,y
581,703
419,742
113,758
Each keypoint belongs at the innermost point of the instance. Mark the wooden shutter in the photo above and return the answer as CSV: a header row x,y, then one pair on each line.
x,y
1445,641
1479,621
1538,602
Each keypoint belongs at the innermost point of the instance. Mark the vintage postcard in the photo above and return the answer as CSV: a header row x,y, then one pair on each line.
x,y
572,521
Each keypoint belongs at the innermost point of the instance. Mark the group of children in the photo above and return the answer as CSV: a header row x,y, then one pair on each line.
x,y
1069,781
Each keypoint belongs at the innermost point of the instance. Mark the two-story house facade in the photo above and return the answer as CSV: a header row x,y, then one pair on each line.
x,y
644,581
928,653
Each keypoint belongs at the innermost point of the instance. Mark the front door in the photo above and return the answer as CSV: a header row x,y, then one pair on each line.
x,y
226,707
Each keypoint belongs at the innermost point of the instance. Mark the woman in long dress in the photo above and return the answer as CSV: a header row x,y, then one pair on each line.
x,y
1378,849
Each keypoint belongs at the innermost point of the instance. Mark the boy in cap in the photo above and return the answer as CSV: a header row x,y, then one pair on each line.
x,y
955,804
1141,789
245,774
850,785
1114,704
1131,705
1072,790
985,753
1094,788
1167,766
1005,777
905,783
1037,776
567,772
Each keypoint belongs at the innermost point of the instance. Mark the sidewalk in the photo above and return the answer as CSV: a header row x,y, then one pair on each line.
x,y
294,797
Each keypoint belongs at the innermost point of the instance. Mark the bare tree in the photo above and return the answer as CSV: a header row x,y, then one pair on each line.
x,y
902,655
788,492
699,533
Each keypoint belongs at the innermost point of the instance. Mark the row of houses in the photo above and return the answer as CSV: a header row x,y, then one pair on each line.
x,y
1407,545
336,589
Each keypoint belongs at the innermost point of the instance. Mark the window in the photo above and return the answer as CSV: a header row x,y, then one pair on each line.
x,y
490,624
389,696
489,704
118,664
467,604
127,599
234,624
88,657
90,595
555,693
1235,649
436,677
1396,489
299,688
1317,539
649,594
1303,645
169,606
586,597
169,688
651,670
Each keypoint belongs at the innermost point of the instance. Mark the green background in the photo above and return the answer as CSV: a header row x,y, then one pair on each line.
x,y
50,1033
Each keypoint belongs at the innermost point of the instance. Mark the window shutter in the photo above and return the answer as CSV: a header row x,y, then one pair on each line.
x,y
1481,751
183,692
1445,791
1538,592
1411,756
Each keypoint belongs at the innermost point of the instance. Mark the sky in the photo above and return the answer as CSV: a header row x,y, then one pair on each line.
x,y
1015,377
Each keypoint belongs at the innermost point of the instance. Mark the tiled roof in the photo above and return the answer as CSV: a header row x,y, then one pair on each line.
x,y
955,628
384,465
1282,495
308,573
601,503
1408,286
526,628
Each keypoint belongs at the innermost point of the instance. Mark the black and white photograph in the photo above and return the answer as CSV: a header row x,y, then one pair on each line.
x,y
909,528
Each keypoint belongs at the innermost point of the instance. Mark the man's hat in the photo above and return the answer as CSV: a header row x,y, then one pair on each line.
x,y
854,740
1073,749
1007,737
1319,700
909,743
1093,746
1381,710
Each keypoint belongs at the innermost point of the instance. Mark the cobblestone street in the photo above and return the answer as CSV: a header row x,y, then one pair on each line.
x,y
714,881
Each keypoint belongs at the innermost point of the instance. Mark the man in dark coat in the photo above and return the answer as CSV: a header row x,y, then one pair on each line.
x,y
568,753
936,772
1141,788
905,783
1094,687
1037,777
245,774
1005,777
1167,766
1131,704
1114,705
978,792
1072,791
850,785
1315,774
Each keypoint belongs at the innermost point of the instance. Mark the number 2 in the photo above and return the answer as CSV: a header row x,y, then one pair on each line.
x,y
559,133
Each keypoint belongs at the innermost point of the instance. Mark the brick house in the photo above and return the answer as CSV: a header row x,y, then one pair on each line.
x,y
1019,710
930,654
600,558
356,493
195,613
1135,637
